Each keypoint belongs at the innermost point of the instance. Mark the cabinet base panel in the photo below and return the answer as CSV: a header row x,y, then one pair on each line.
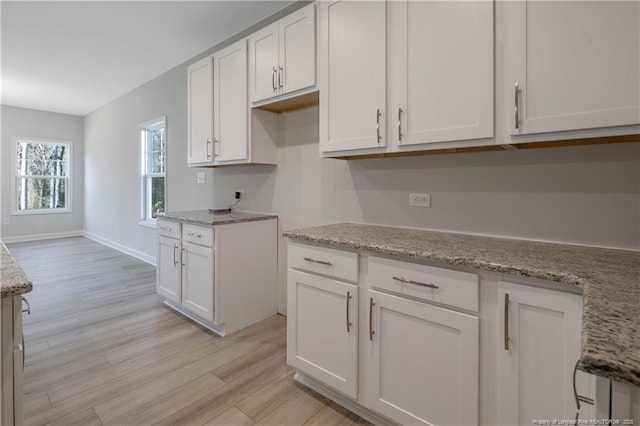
x,y
342,400
218,329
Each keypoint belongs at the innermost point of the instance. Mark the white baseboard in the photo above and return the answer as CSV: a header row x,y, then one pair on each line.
x,y
38,237
124,249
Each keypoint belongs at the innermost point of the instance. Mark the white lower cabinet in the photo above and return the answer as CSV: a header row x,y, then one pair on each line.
x,y
169,281
539,345
424,362
322,338
197,280
223,277
412,352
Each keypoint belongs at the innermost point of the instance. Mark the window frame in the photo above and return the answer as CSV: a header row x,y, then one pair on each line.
x,y
15,178
145,174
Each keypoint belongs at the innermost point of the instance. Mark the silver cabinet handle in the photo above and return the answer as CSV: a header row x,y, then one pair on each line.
x,y
182,257
193,234
348,321
404,280
378,114
28,310
273,79
517,102
321,262
371,332
175,262
280,72
165,228
216,141
399,123
579,398
208,143
506,321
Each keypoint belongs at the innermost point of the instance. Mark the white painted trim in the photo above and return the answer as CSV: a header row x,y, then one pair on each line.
x,y
121,248
38,237
218,329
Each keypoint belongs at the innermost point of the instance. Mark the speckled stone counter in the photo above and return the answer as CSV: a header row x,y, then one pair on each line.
x,y
13,281
610,279
203,217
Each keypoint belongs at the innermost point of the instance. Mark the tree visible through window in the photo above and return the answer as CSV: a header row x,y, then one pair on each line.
x,y
153,168
42,176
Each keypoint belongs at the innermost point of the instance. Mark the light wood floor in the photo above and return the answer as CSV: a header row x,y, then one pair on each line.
x,y
101,349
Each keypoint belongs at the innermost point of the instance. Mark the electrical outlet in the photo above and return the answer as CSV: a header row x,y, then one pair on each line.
x,y
420,200
200,177
239,194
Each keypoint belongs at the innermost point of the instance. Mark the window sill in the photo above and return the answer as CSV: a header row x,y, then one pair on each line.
x,y
153,224
43,211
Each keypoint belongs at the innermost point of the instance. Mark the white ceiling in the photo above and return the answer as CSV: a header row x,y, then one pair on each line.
x,y
73,57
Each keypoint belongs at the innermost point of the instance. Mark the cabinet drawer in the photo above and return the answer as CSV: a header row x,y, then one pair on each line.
x,y
198,235
169,229
330,262
459,289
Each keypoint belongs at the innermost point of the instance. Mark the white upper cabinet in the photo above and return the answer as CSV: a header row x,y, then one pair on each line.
x,y
230,103
442,68
352,74
200,111
572,65
282,56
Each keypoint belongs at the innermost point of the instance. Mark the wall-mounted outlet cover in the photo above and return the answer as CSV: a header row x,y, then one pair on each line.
x,y
420,200
200,177
239,195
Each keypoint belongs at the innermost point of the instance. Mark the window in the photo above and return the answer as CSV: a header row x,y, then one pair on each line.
x,y
153,149
42,177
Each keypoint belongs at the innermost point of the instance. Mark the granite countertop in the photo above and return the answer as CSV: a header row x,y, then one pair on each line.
x,y
203,217
13,281
610,279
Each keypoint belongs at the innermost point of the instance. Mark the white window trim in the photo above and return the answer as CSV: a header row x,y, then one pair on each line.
x,y
144,220
14,181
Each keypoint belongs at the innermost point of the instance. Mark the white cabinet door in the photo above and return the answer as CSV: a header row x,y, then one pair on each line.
x,y
263,63
352,74
322,330
539,344
197,280
425,362
200,111
168,282
442,60
575,63
230,103
297,50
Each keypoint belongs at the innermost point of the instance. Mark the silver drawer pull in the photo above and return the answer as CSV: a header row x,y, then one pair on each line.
x,y
193,234
321,262
164,228
404,280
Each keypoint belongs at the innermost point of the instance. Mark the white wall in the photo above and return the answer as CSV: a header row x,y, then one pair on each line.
x,y
586,194
112,161
21,122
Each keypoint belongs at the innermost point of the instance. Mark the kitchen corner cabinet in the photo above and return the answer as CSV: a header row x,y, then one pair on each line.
x,y
571,65
282,56
202,273
539,345
352,75
200,112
